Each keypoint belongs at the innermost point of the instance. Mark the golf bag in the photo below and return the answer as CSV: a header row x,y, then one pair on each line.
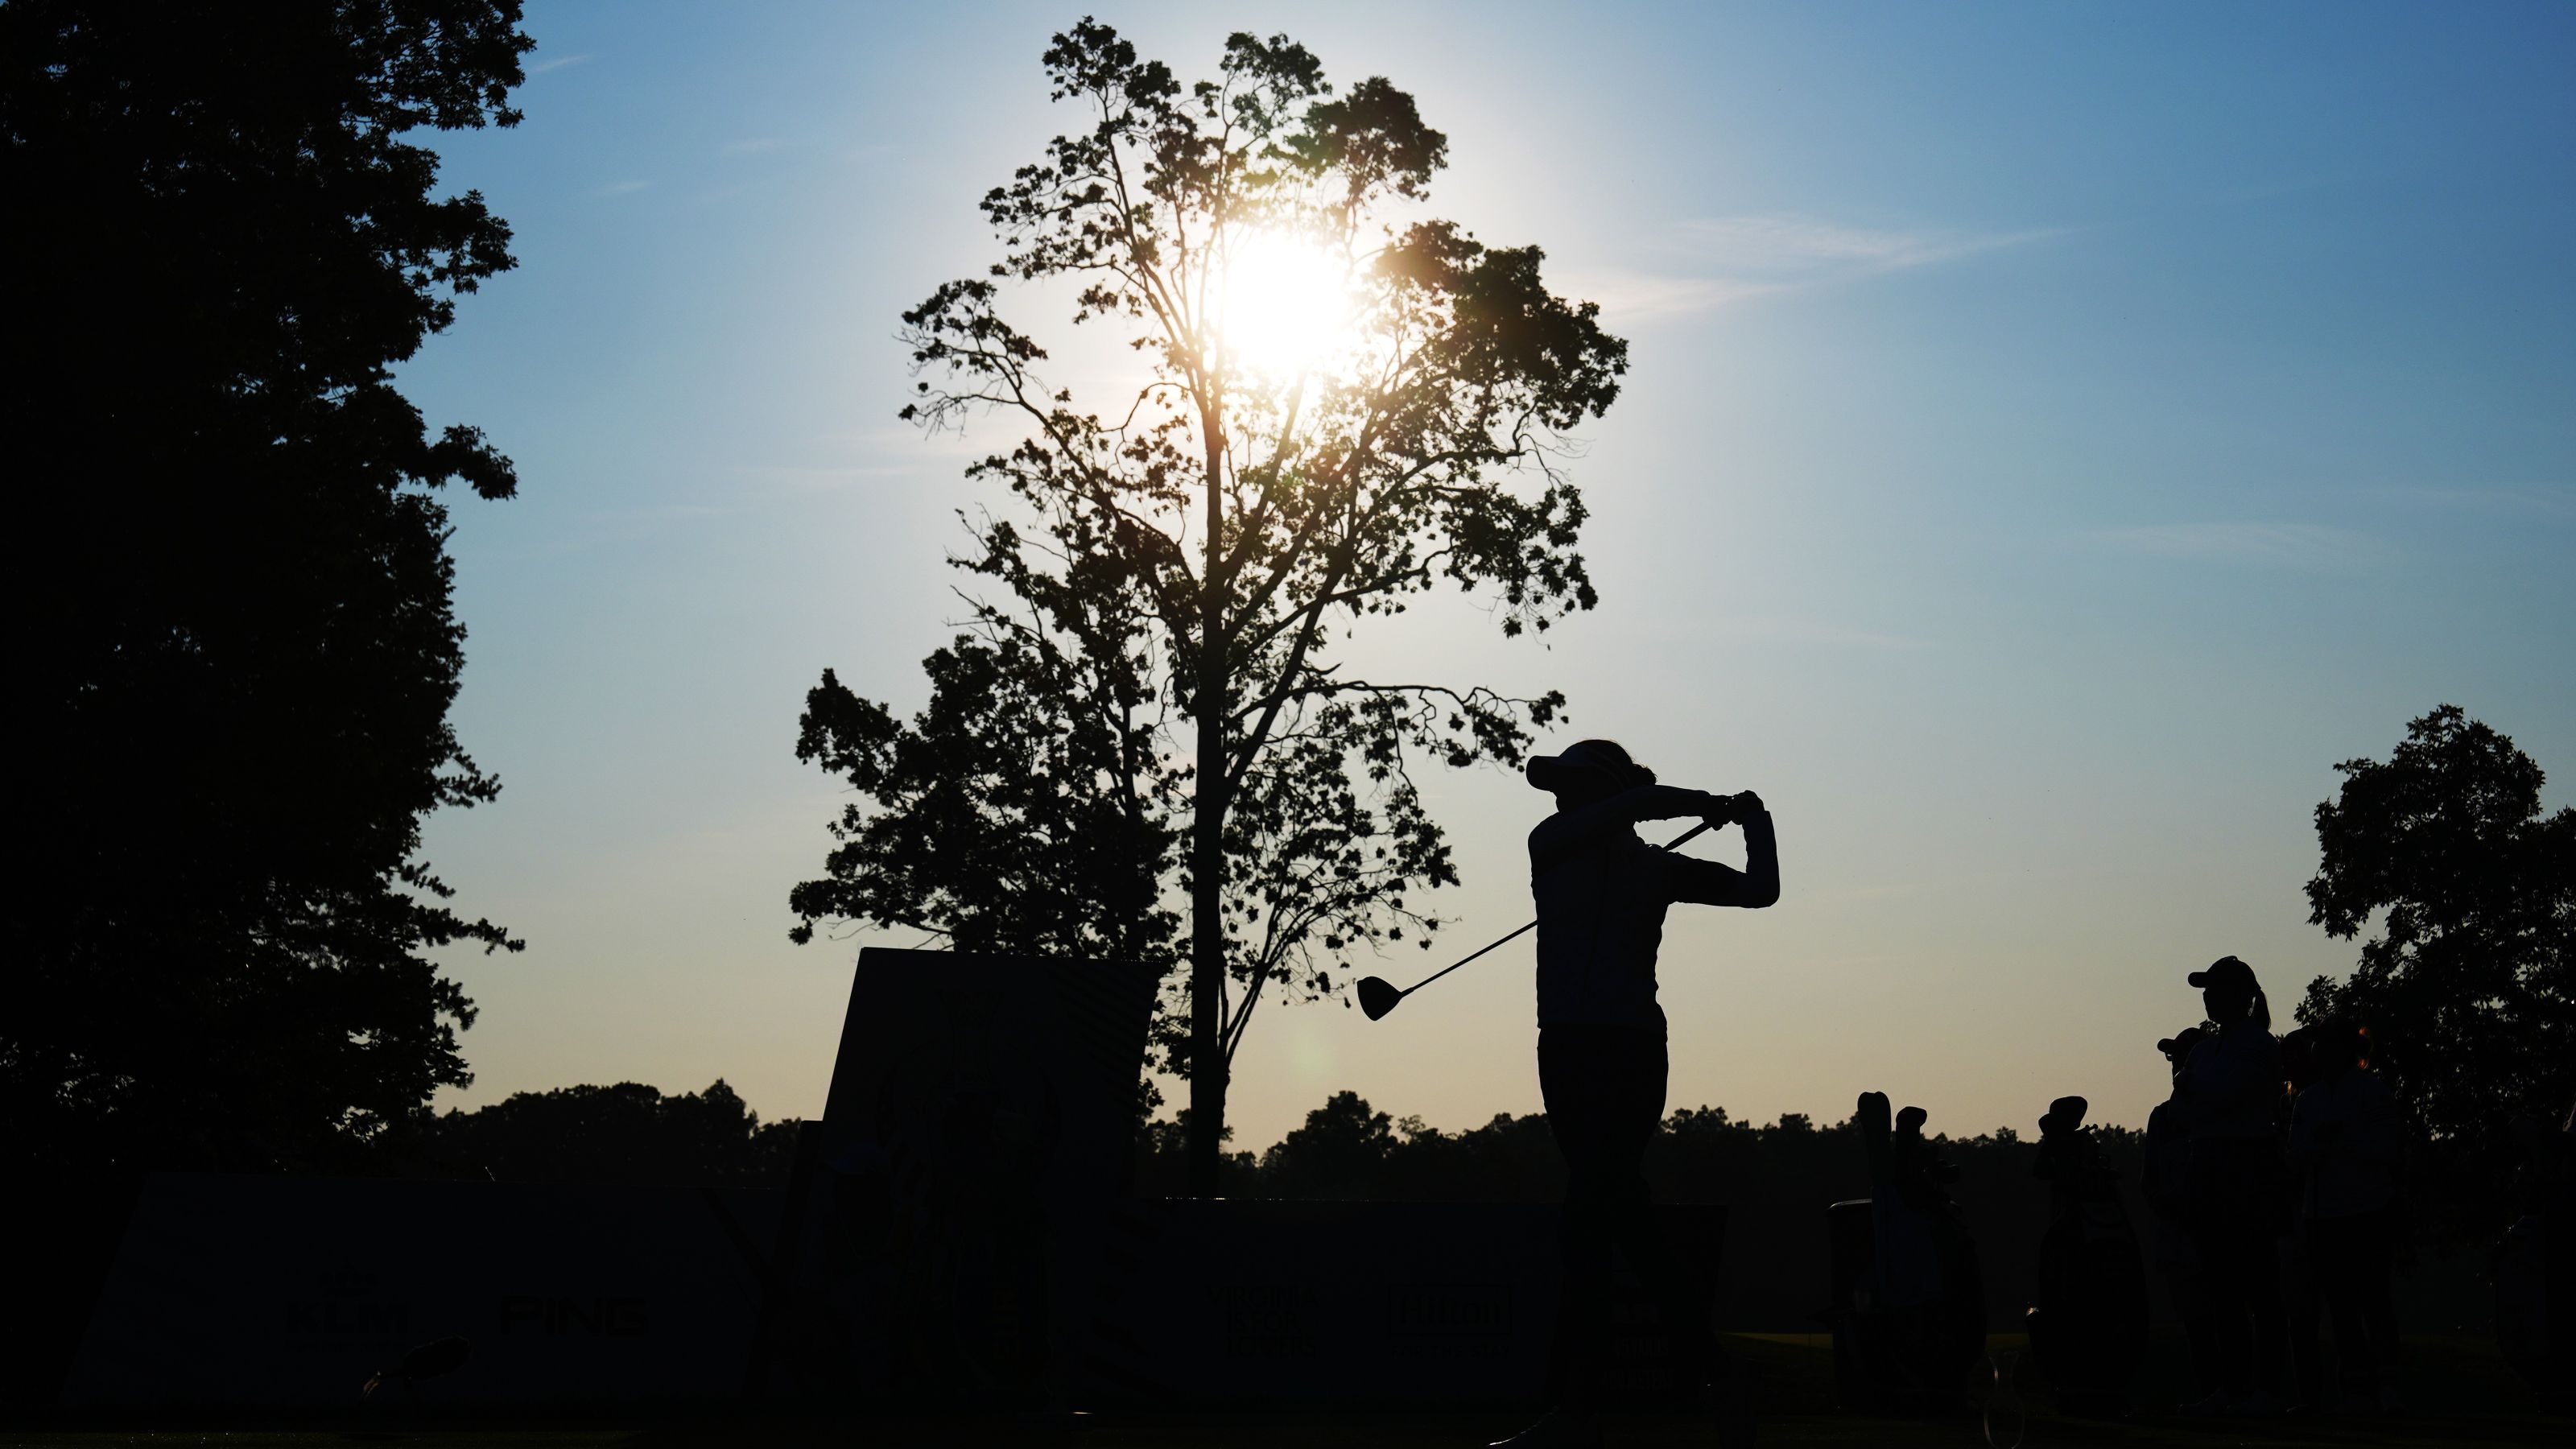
x,y
1908,1312
1908,1315
2088,1320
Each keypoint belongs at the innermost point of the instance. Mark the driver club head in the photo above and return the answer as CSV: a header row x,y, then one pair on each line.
x,y
1377,998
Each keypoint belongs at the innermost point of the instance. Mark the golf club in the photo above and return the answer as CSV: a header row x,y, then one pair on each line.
x,y
1379,996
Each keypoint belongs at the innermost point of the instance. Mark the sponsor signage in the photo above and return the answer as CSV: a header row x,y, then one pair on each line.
x,y
257,1290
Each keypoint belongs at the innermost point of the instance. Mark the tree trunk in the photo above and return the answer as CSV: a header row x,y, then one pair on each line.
x,y
1207,858
1207,995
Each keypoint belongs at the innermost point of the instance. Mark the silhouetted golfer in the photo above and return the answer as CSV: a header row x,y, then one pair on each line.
x,y
1601,894
2232,1088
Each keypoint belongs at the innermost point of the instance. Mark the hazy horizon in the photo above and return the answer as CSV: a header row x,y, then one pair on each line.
x,y
2055,437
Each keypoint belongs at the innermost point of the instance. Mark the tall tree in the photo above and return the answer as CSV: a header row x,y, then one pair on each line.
x,y
232,631
1341,404
2469,985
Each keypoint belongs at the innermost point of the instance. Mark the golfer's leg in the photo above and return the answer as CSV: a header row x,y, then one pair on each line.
x,y
1569,1085
1679,1312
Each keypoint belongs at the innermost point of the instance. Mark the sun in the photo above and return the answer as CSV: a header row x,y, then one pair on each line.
x,y
1287,303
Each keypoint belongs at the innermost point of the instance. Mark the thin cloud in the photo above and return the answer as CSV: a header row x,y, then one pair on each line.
x,y
622,188
2304,544
1803,247
754,145
1728,259
1626,295
559,63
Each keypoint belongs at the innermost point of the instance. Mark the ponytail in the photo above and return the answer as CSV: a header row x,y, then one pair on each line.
x,y
2260,1013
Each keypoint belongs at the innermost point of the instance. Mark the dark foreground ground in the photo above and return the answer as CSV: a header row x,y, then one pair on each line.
x,y
2462,1393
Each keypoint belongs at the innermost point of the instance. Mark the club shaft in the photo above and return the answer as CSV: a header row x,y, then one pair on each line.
x,y
1445,970
1676,843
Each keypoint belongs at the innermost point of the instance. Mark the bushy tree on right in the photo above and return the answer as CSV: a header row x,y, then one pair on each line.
x,y
2467,980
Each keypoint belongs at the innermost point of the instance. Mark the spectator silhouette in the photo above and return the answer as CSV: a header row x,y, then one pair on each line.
x,y
2231,1089
2533,1265
2345,1140
1601,894
2165,1184
2306,1298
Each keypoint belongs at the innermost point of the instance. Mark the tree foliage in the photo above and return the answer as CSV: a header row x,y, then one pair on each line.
x,y
628,1133
232,626
1150,710
2468,985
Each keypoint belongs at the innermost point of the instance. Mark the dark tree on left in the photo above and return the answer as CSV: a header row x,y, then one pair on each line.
x,y
231,635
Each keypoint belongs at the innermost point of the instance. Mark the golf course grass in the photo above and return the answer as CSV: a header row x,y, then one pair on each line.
x,y
2463,1394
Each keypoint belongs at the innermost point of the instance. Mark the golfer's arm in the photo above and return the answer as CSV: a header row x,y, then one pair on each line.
x,y
1707,883
1761,862
1568,830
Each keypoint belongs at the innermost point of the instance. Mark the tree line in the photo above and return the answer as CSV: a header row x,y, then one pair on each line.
x,y
1774,1179
628,1133
1344,1150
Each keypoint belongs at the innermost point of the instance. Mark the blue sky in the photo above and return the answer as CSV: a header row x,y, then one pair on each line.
x,y
2057,434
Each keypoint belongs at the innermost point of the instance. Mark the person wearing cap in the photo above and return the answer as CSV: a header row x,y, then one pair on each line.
x,y
2164,1184
2231,1089
1602,893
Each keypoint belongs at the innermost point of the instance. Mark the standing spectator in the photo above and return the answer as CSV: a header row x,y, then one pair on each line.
x,y
2344,1145
2306,1301
2534,1263
2165,1184
2231,1090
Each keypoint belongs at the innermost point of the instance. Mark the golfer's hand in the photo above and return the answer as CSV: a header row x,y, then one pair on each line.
x,y
1736,809
1725,810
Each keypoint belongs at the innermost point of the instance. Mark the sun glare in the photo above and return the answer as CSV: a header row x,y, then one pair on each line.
x,y
1287,302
